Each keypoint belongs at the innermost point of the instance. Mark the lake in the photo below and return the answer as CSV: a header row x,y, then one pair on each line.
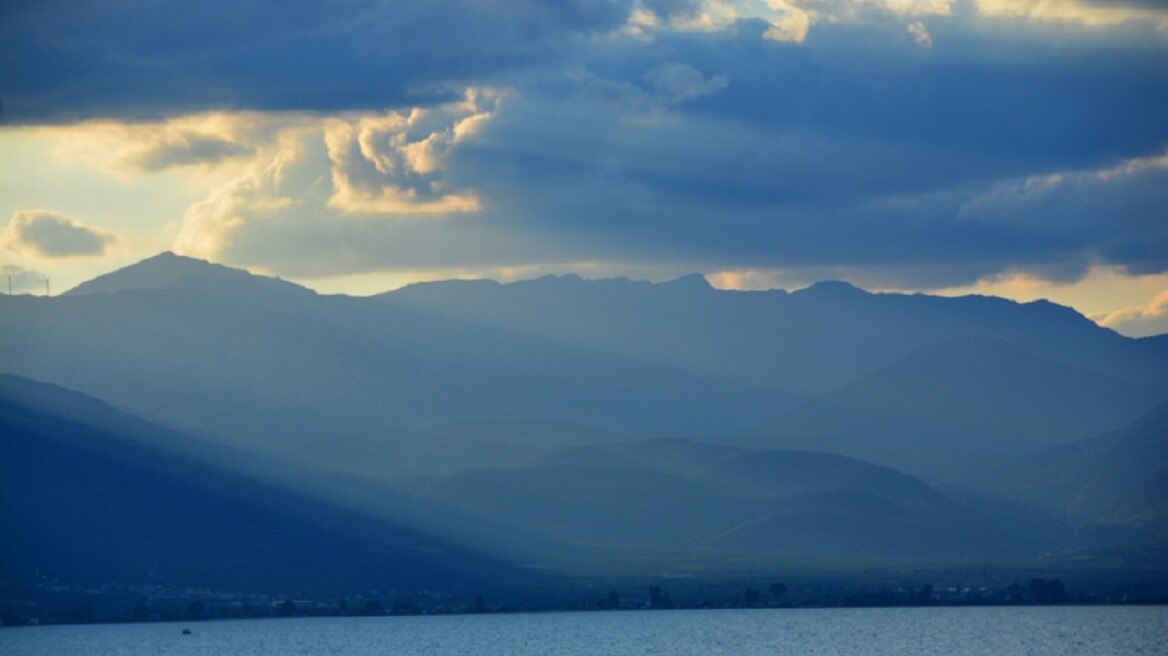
x,y
1034,631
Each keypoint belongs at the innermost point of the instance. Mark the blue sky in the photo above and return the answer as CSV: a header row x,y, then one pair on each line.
x,y
1014,147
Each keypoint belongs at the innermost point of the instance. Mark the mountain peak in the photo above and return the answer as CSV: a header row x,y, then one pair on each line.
x,y
694,281
166,271
833,289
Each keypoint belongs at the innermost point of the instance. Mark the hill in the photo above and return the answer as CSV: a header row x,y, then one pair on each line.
x,y
1116,479
960,406
90,496
696,501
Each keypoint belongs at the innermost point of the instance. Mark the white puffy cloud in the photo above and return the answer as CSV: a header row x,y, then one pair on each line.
x,y
352,169
208,227
44,233
395,163
788,21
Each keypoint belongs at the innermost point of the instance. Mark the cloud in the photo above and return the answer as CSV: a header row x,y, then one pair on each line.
x,y
674,83
1113,216
790,136
341,196
640,191
141,59
20,280
661,88
784,21
675,191
186,150
52,235
917,191
920,34
200,141
1088,13
209,226
394,163
1139,321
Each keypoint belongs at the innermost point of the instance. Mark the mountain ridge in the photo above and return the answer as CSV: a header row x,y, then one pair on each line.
x,y
168,270
252,358
531,381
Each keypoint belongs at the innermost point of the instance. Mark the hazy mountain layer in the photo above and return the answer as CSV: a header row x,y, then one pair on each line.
x,y
679,495
956,406
92,494
274,368
1120,478
88,495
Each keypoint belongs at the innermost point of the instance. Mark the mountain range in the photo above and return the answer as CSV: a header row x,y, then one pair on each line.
x,y
477,432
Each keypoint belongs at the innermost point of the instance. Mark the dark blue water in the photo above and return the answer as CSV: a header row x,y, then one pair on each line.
x,y
1085,631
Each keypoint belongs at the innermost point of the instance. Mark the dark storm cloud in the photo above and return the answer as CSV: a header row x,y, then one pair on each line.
x,y
857,156
139,58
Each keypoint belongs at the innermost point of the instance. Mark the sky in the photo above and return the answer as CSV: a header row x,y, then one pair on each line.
x,y
1009,147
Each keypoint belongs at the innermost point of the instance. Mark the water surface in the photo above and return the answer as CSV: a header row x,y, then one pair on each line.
x,y
1086,631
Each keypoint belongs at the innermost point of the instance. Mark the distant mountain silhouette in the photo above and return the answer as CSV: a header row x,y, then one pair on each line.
x,y
798,345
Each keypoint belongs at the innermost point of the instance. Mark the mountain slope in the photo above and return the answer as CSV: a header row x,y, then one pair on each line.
x,y
170,271
1120,478
88,496
704,500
